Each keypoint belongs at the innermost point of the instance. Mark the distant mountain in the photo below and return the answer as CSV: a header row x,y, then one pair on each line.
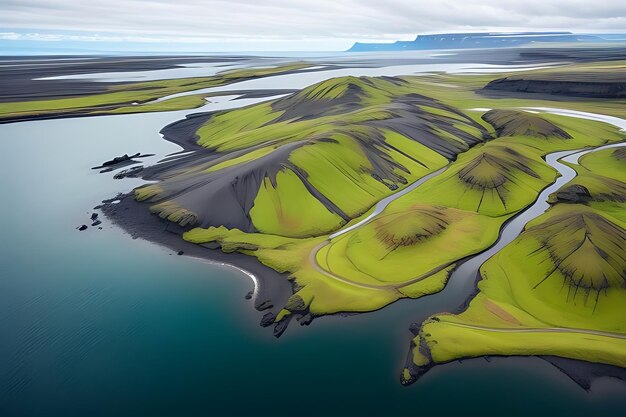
x,y
481,40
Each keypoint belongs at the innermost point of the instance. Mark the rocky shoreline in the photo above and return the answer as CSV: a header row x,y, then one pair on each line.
x,y
272,289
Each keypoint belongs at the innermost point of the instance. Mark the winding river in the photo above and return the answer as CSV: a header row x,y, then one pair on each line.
x,y
462,281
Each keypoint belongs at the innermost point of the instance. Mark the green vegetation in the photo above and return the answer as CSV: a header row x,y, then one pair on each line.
x,y
135,97
558,289
317,161
285,207
278,180
307,164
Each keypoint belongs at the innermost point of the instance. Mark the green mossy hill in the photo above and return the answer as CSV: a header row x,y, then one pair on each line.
x,y
412,249
409,228
521,123
609,163
339,104
586,250
558,289
340,95
495,179
306,164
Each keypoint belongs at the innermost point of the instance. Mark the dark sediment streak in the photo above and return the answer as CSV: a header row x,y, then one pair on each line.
x,y
579,89
19,83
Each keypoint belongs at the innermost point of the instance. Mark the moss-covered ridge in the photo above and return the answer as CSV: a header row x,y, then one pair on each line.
x,y
306,164
559,289
523,123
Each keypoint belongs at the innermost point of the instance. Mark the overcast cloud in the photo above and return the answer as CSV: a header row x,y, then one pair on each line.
x,y
292,21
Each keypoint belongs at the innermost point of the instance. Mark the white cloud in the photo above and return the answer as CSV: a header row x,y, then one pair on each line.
x,y
201,21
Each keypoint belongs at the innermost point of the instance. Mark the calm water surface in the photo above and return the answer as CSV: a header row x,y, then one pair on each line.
x,y
96,323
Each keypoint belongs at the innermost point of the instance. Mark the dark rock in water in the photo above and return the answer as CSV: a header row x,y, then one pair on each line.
x,y
265,305
180,252
119,159
267,319
573,194
99,228
249,295
128,173
280,327
94,216
306,319
96,223
83,227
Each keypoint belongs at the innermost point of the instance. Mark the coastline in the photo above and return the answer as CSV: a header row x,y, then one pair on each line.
x,y
135,218
271,288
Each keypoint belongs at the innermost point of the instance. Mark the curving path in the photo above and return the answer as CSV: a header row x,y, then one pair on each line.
x,y
538,330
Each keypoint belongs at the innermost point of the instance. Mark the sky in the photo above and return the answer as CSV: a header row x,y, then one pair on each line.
x,y
296,25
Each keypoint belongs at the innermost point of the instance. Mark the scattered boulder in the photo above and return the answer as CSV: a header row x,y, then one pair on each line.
x,y
83,227
267,319
96,223
249,295
306,319
180,252
573,194
94,216
120,159
280,327
128,173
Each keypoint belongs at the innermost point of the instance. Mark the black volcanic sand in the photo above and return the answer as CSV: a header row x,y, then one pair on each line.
x,y
18,74
273,289
521,87
589,84
585,373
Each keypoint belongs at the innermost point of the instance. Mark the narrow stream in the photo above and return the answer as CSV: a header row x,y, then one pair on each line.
x,y
462,282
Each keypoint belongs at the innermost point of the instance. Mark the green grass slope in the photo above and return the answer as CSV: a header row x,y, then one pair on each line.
x,y
326,154
558,289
